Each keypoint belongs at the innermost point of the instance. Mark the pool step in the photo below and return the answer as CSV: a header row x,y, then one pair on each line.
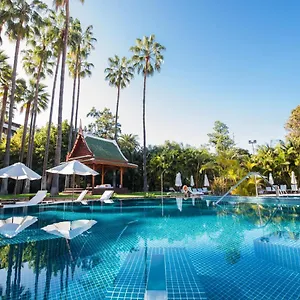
x,y
180,280
130,282
156,284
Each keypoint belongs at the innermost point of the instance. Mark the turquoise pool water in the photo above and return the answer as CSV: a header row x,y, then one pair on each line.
x,y
187,249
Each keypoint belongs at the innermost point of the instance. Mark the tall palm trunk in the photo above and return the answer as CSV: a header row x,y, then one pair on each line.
x,y
32,139
22,150
26,186
44,177
18,184
117,114
32,128
67,179
144,132
3,109
55,181
116,133
11,113
73,104
35,104
77,103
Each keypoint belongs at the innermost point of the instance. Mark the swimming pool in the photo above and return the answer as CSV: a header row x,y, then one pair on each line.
x,y
232,251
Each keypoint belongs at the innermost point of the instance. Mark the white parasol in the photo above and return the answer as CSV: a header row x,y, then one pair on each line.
x,y
293,178
206,181
192,183
178,181
19,171
73,167
271,180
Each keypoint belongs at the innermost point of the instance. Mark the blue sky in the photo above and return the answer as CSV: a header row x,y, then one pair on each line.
x,y
233,61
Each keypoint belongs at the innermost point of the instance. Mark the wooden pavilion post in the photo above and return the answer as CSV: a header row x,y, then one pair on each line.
x,y
102,175
121,177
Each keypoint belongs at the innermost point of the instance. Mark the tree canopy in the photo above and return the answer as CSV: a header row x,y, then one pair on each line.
x,y
220,138
293,126
103,123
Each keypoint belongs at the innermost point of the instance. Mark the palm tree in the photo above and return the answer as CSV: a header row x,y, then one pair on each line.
x,y
27,106
84,67
129,143
119,74
73,60
66,6
5,80
57,21
147,58
81,44
17,16
84,70
36,62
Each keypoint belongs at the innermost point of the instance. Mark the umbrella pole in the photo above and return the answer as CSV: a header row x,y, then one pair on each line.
x,y
73,187
16,186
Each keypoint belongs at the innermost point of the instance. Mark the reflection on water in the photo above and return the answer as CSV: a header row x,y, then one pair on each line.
x,y
281,248
47,267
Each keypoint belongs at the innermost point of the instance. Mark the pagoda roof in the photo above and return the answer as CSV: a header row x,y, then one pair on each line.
x,y
89,148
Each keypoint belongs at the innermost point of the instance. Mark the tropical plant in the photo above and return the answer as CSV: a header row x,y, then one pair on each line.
x,y
18,16
147,58
119,73
36,62
27,107
128,143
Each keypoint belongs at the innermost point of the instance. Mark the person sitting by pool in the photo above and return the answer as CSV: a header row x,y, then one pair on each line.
x,y
185,190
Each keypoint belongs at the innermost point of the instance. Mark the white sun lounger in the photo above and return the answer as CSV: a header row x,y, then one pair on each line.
x,y
39,197
205,190
194,192
106,197
81,196
294,187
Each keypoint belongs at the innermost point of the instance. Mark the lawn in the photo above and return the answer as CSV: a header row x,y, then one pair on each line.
x,y
69,196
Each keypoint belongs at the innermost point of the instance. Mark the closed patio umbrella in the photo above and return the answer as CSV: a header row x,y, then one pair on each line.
x,y
293,178
178,181
271,180
192,181
206,181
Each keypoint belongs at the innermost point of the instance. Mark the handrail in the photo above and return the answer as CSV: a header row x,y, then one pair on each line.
x,y
238,183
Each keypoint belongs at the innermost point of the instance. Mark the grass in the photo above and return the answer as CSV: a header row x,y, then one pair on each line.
x,y
69,196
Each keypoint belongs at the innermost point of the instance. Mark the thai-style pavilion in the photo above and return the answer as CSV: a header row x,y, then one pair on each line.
x,y
101,155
